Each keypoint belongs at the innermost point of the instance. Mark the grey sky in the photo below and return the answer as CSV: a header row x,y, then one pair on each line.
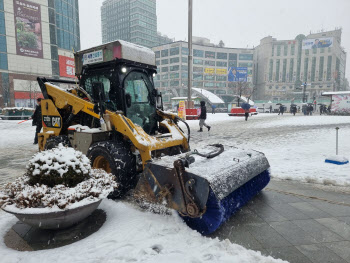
x,y
238,23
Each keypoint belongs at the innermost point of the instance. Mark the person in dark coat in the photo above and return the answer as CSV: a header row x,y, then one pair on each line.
x,y
293,109
270,108
281,110
246,114
203,117
37,120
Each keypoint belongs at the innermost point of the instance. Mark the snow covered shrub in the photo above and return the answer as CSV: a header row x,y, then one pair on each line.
x,y
61,165
58,178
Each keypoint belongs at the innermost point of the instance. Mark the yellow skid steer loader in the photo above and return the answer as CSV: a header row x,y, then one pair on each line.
x,y
115,116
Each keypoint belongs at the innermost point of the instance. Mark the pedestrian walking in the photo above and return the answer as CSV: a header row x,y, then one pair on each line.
x,y
293,109
281,110
37,120
203,117
213,109
270,108
246,114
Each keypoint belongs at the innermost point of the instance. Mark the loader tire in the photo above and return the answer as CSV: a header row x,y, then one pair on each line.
x,y
54,141
117,159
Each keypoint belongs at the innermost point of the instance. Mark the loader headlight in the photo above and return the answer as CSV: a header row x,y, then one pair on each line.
x,y
154,74
124,70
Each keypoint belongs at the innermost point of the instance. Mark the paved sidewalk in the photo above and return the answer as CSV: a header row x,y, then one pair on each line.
x,y
284,222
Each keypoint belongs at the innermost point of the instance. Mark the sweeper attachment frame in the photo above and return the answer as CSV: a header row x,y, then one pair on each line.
x,y
216,183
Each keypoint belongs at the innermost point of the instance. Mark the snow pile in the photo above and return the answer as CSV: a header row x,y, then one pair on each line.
x,y
57,179
131,235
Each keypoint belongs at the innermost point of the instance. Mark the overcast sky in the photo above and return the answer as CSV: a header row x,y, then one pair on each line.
x,y
239,24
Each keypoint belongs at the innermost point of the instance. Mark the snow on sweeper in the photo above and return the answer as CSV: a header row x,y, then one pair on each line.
x,y
115,116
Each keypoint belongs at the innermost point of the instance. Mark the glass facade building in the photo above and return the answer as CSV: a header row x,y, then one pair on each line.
x,y
37,38
134,21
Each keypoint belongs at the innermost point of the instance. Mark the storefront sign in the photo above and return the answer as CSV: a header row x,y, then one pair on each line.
x,y
67,67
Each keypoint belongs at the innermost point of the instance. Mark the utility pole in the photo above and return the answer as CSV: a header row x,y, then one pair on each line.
x,y
189,96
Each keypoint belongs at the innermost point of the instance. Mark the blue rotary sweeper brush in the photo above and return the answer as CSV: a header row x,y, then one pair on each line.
x,y
206,187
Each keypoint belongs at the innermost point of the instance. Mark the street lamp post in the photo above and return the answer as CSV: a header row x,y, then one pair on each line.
x,y
189,95
304,91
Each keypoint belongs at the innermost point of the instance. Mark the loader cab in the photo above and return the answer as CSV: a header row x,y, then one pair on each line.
x,y
128,88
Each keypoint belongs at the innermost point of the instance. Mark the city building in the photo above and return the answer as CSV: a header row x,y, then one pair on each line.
x,y
283,67
37,38
216,69
130,20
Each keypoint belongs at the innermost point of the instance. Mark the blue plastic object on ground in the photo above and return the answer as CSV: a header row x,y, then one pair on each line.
x,y
336,162
219,211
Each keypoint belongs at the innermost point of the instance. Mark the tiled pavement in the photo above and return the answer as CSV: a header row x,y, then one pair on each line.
x,y
292,226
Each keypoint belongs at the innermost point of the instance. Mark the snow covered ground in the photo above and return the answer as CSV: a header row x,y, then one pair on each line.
x,y
296,147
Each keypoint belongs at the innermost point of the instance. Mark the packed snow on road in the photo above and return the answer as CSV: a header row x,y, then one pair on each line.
x,y
295,146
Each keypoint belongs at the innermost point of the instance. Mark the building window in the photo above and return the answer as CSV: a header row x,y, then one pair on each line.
x,y
278,50
174,83
232,63
174,60
197,69
245,56
209,63
184,51
174,51
165,76
306,68
273,50
313,69
3,46
197,76
221,64
322,50
320,69
174,68
220,55
232,56
270,69
165,61
157,62
2,5
157,54
314,51
306,52
285,49
165,69
197,61
165,53
221,78
3,61
2,24
209,54
184,59
174,75
198,53
329,67
197,84
291,68
245,64
284,70
292,49
277,69
209,77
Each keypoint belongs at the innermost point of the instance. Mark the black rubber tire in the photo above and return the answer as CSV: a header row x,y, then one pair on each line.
x,y
121,161
54,141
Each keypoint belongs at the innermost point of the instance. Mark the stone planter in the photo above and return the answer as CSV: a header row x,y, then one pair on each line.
x,y
56,219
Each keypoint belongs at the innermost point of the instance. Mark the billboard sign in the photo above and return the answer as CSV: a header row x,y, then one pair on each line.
x,y
209,70
67,67
28,29
317,43
221,71
237,74
341,103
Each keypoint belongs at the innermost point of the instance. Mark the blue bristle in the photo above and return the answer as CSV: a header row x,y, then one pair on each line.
x,y
219,211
